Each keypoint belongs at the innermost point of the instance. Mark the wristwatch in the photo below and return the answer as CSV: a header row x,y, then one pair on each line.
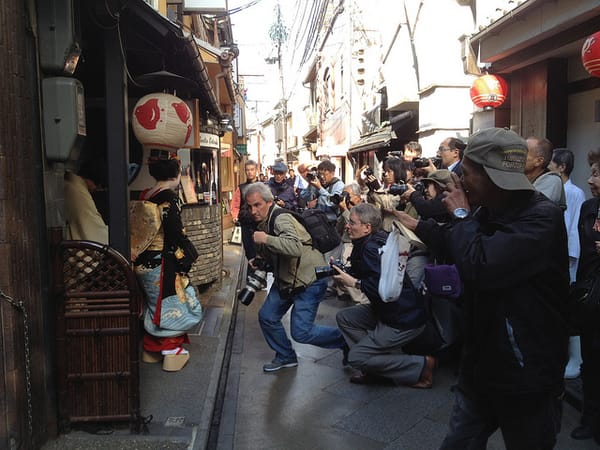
x,y
357,284
460,213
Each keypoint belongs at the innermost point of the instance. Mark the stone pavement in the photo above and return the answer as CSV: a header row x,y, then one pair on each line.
x,y
314,406
223,400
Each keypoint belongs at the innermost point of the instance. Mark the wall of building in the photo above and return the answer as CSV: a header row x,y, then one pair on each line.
x,y
583,134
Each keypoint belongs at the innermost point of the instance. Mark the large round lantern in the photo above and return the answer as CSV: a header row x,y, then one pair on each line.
x,y
489,91
590,54
162,121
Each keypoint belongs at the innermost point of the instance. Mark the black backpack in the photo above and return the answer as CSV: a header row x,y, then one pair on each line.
x,y
322,232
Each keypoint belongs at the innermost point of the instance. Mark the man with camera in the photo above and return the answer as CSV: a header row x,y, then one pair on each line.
x,y
328,186
451,153
510,246
287,249
349,198
283,192
239,209
376,332
427,195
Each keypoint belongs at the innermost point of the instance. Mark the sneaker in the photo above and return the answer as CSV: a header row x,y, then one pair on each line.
x,y
277,364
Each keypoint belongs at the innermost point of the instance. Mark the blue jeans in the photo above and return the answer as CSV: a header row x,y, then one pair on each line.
x,y
527,421
304,310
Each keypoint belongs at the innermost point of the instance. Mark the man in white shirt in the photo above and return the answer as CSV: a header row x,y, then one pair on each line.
x,y
562,163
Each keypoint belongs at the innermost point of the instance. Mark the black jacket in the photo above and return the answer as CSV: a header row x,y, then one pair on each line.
x,y
430,209
405,313
589,259
515,271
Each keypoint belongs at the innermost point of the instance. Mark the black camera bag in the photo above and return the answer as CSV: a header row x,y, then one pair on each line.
x,y
322,232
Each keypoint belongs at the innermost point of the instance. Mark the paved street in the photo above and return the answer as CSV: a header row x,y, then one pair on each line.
x,y
312,406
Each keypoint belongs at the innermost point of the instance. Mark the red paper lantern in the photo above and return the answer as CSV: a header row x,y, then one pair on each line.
x,y
162,120
489,91
590,54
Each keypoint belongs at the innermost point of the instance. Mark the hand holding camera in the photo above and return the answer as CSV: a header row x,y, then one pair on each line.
x,y
343,200
428,165
369,179
343,277
255,281
335,266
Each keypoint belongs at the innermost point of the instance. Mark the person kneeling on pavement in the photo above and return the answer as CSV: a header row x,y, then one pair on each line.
x,y
288,250
376,332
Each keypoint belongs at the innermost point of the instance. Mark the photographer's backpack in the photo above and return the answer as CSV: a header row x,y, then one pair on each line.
x,y
322,232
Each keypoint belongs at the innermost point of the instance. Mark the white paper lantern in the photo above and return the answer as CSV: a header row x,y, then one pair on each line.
x,y
162,120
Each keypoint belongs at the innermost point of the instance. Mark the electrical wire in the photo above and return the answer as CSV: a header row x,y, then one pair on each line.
x,y
236,10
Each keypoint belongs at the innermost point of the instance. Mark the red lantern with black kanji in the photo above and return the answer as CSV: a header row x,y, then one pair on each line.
x,y
590,54
489,91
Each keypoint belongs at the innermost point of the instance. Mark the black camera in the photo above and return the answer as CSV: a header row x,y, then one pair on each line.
x,y
401,188
328,271
255,281
419,186
370,180
424,162
336,199
312,175
397,188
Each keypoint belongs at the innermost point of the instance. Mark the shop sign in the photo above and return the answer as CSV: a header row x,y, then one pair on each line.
x,y
209,140
242,149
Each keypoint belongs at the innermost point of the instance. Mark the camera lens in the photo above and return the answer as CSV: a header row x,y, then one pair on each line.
x,y
397,189
254,282
246,296
420,162
324,272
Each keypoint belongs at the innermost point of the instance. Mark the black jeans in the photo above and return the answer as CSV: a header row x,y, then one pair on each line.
x,y
527,422
590,379
248,229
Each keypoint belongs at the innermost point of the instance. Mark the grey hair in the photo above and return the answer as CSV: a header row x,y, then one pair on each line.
x,y
260,188
368,213
251,162
354,187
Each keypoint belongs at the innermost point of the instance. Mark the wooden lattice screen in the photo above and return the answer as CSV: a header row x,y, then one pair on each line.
x,y
97,336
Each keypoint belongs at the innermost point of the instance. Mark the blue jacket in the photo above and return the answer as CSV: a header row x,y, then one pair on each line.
x,y
284,192
404,314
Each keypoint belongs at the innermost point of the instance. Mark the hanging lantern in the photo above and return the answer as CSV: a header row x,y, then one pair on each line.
x,y
489,91
590,54
162,121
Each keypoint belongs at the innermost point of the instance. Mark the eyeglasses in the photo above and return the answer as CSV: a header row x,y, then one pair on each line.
x,y
352,223
443,149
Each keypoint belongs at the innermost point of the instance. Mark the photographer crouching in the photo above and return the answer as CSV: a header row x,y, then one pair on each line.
x,y
377,332
286,247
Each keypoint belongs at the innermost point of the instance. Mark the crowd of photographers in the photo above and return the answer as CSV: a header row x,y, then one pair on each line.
x,y
469,207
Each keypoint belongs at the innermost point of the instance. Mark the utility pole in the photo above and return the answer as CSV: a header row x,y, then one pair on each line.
x,y
279,34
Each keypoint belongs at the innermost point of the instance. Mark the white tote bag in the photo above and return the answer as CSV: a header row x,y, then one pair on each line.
x,y
394,257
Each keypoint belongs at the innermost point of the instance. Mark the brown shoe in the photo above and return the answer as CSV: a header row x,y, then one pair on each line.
x,y
426,380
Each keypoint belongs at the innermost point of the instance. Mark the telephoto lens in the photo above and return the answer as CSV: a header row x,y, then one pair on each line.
x,y
397,189
255,281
